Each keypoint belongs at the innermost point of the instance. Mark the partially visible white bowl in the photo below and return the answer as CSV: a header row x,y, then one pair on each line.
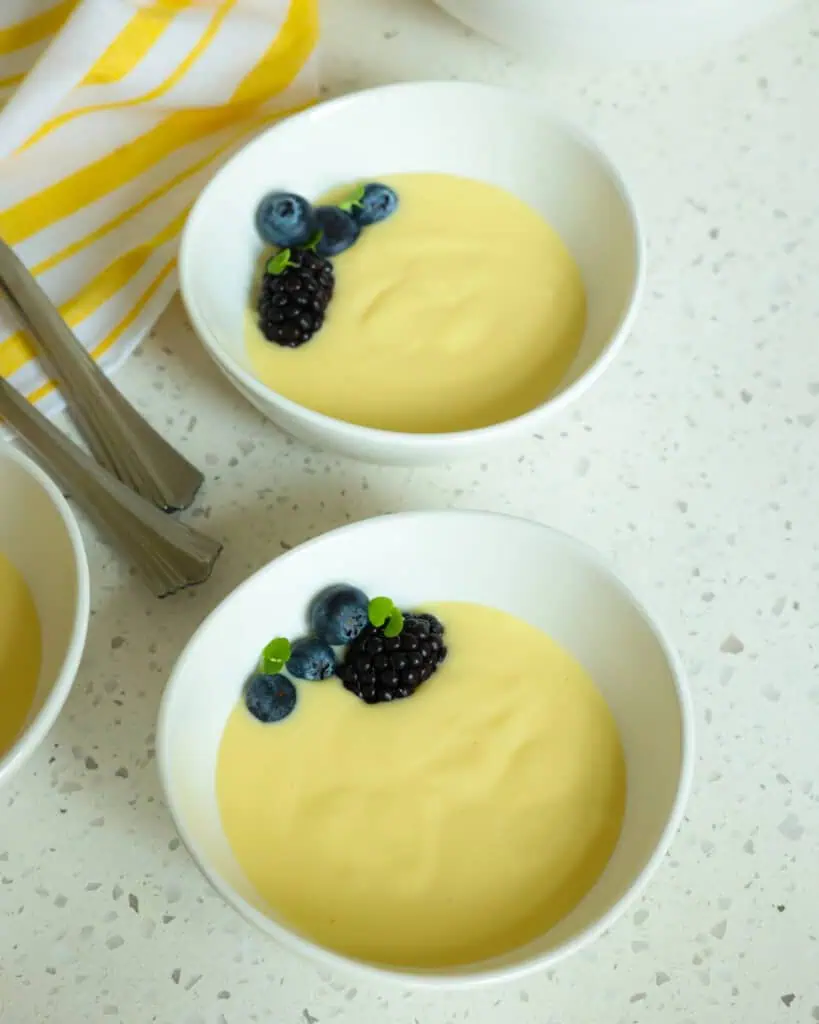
x,y
529,570
477,131
40,536
613,29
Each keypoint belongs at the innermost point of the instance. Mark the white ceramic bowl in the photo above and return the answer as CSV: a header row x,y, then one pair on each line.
x,y
524,568
39,535
477,131
613,29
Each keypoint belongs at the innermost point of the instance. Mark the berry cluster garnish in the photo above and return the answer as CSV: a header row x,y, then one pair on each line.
x,y
378,652
298,281
270,694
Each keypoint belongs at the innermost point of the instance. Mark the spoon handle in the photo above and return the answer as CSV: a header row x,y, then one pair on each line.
x,y
169,555
118,437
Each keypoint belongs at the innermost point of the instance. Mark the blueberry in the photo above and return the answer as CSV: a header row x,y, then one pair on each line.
x,y
378,202
270,698
338,614
338,230
285,219
311,658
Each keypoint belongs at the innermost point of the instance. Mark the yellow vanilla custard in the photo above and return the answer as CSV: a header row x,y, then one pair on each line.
x,y
20,652
463,309
442,829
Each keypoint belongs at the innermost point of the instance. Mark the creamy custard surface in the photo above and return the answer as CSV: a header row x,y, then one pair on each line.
x,y
20,652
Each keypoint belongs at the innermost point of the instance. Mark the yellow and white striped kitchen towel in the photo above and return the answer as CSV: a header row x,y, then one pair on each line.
x,y
113,115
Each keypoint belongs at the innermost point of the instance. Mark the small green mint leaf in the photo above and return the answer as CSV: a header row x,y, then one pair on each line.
x,y
314,241
280,262
282,648
396,623
275,655
379,610
354,199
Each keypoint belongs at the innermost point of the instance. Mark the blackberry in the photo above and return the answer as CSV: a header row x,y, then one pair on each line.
x,y
378,668
293,301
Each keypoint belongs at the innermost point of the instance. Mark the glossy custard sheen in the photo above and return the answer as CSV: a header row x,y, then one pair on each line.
x,y
461,310
438,830
20,652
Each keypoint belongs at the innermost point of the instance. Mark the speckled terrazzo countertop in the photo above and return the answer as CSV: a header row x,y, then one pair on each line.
x,y
693,465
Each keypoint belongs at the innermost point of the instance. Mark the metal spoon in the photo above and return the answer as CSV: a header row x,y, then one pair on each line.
x,y
169,555
118,437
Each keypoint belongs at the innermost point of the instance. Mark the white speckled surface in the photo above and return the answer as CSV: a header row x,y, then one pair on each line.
x,y
693,464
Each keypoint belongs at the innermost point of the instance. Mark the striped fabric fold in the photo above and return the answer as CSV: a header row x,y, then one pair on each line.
x,y
113,115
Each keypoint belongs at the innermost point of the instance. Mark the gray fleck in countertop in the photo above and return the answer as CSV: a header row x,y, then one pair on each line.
x,y
692,465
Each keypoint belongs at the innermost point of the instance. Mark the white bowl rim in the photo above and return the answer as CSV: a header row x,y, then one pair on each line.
x,y
461,438
37,730
440,979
